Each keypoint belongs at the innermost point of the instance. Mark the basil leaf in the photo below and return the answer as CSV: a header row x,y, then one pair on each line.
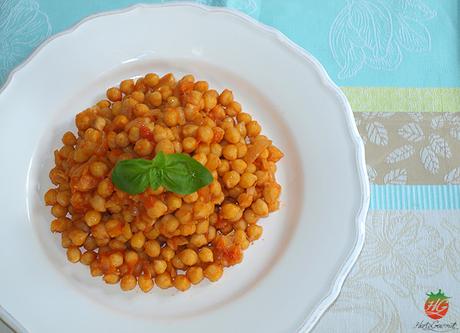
x,y
178,173
159,160
155,178
132,176
184,175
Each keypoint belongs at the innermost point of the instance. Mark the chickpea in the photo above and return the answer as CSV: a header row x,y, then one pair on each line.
x,y
189,144
158,209
253,128
177,263
190,198
211,234
171,115
242,149
200,157
90,243
127,86
188,257
69,139
152,233
113,227
63,198
226,97
117,244
232,135
104,190
98,169
177,147
205,134
243,117
116,259
181,283
143,147
212,162
92,217
190,130
131,258
165,146
159,266
138,96
78,237
202,227
247,180
114,94
254,232
231,212
154,98
128,282
216,149
116,109
223,167
138,240
230,152
122,139
240,225
231,179
73,254
245,200
201,86
87,258
58,211
151,80
141,110
145,283
271,192
260,207
51,197
213,272
218,112
239,165
198,240
167,253
206,255
134,134
152,248
120,121
60,224
163,281
210,100
195,274
173,202
202,209
170,223
203,148
250,216
187,229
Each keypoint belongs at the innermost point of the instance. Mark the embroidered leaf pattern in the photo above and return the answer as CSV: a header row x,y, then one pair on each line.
x,y
412,132
400,154
377,133
396,177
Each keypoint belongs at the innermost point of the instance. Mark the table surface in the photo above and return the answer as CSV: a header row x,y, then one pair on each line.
x,y
398,62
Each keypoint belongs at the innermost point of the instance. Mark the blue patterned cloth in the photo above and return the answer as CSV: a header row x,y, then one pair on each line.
x,y
412,230
360,42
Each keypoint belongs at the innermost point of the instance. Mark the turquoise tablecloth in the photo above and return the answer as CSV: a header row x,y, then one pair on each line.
x,y
398,61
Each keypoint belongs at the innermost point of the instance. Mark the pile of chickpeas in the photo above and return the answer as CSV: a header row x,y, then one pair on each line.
x,y
159,237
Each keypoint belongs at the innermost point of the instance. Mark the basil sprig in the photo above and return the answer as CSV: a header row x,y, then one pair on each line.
x,y
178,173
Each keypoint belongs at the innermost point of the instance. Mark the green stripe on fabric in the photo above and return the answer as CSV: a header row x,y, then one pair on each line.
x,y
415,197
379,99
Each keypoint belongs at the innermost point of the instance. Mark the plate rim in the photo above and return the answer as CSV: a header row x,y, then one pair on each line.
x,y
360,218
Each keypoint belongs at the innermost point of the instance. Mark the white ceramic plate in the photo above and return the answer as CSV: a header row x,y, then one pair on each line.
x,y
287,279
